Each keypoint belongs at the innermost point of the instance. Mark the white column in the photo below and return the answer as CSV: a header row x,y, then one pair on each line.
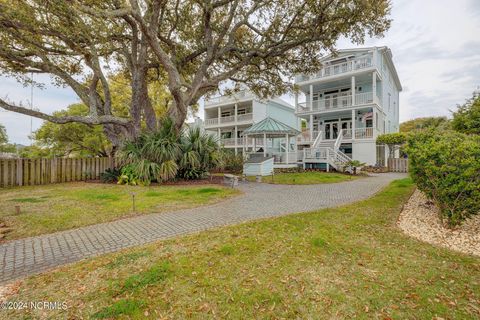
x,y
236,109
354,113
374,86
264,144
311,97
286,149
236,134
353,90
311,127
219,136
374,121
296,100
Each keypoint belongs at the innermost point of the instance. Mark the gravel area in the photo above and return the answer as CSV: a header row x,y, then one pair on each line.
x,y
420,220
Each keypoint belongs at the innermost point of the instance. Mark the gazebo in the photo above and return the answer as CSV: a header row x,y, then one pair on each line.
x,y
272,138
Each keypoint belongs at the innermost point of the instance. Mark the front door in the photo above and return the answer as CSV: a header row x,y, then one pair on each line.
x,y
331,130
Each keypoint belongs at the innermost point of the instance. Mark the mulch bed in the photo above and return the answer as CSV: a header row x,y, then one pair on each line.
x,y
210,180
420,219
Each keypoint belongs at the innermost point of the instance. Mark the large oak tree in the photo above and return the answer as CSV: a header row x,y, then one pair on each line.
x,y
194,45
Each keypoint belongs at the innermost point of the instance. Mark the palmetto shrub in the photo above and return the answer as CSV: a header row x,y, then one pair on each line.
x,y
446,167
165,155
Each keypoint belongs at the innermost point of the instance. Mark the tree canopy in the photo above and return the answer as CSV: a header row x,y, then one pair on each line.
x,y
3,134
193,46
467,117
424,123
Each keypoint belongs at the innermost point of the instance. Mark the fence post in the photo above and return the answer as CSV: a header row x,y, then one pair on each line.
x,y
19,172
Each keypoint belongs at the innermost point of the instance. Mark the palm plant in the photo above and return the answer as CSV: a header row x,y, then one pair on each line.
x,y
200,153
164,155
154,155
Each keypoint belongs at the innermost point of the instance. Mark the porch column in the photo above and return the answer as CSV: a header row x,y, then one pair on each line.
x,y
286,149
255,144
219,136
374,87
311,97
264,144
374,121
235,114
353,91
354,113
236,135
296,100
311,127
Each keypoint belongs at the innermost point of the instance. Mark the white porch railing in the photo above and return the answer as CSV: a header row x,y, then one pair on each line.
x,y
244,117
335,158
229,141
339,68
241,95
363,133
360,133
211,122
364,98
280,157
227,119
333,103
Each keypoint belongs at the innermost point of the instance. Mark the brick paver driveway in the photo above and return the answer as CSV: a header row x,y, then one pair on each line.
x,y
23,257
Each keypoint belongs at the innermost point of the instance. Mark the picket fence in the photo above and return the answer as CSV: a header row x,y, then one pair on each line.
x,y
25,172
397,165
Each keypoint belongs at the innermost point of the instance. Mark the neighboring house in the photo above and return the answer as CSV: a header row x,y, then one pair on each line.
x,y
229,116
347,104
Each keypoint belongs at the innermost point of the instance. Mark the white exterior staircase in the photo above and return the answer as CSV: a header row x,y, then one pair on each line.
x,y
326,152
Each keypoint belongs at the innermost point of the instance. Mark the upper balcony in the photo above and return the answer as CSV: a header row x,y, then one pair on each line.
x,y
333,103
340,68
239,96
229,120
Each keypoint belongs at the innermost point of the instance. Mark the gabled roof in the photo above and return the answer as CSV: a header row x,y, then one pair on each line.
x,y
271,126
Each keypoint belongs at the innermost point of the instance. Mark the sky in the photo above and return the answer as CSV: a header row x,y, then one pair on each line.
x,y
435,46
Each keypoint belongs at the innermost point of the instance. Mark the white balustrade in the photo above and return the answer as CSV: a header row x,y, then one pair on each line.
x,y
339,68
211,122
244,117
227,119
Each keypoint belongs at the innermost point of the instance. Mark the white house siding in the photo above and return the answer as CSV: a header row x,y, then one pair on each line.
x,y
259,111
365,151
282,113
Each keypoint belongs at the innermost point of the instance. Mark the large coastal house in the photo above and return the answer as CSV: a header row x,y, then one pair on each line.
x,y
343,107
346,105
229,116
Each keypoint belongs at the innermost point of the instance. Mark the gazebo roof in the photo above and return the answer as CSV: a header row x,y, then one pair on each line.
x,y
272,127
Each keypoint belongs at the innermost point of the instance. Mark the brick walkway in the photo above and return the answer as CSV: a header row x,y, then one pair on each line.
x,y
23,257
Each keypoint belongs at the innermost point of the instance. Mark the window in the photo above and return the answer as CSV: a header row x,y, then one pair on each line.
x,y
376,120
226,114
242,111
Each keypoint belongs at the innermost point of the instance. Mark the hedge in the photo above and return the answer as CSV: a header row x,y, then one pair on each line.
x,y
446,167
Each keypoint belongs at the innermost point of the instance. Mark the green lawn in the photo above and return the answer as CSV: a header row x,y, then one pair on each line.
x,y
46,209
308,177
347,262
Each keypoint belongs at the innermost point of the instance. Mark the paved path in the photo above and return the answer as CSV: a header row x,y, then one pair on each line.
x,y
23,257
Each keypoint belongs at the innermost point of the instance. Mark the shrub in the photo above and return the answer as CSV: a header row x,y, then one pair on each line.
x,y
446,167
110,175
392,140
231,162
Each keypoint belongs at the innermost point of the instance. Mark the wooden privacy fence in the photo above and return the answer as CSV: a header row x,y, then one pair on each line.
x,y
24,172
397,165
